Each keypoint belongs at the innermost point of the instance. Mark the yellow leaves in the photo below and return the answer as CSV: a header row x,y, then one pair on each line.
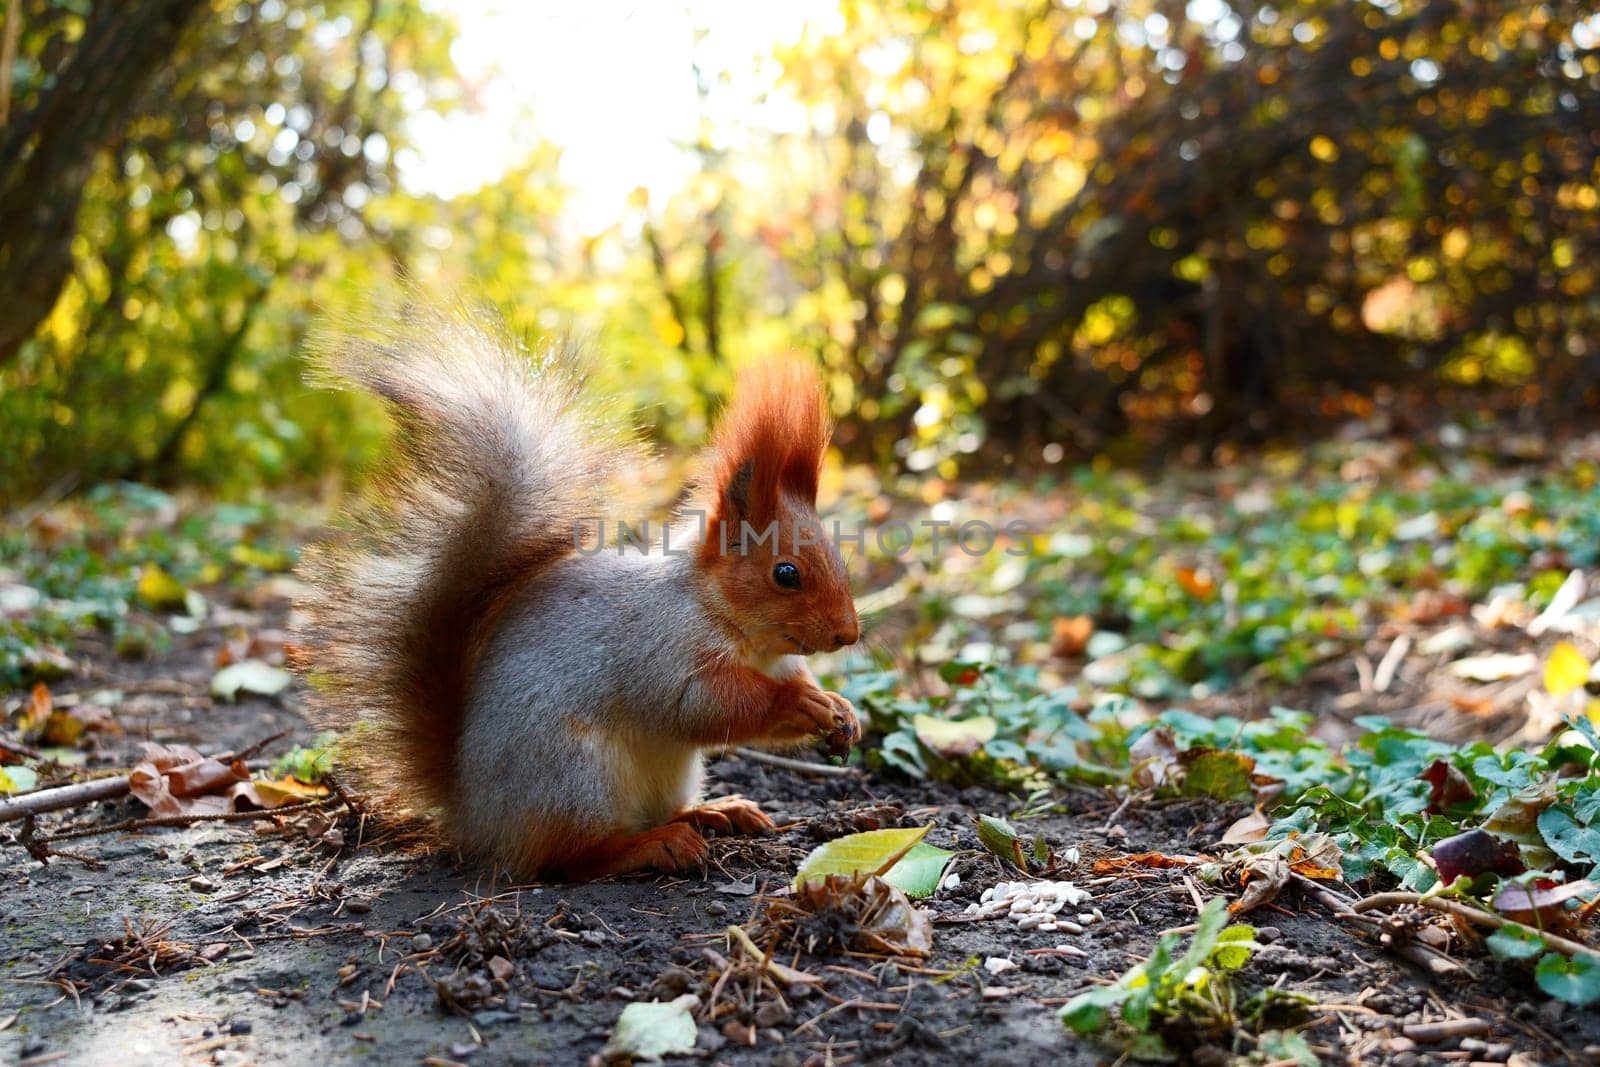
x,y
1323,150
160,591
1565,671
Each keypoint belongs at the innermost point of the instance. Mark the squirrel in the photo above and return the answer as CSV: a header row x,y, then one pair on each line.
x,y
550,705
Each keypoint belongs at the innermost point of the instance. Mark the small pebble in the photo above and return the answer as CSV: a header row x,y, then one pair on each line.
x,y
952,881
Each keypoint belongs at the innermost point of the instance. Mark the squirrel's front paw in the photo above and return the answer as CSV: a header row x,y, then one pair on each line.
x,y
803,711
846,729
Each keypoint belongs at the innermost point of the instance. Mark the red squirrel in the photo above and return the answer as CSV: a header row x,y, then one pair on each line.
x,y
550,703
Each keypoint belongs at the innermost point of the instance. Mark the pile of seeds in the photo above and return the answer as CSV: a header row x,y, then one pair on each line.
x,y
1036,906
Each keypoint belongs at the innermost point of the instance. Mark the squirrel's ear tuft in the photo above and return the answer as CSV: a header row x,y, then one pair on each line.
x,y
770,440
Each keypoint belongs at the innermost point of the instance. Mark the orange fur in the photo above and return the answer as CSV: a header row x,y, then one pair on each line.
x,y
768,442
762,469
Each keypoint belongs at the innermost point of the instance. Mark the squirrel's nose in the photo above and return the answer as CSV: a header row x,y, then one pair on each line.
x,y
848,635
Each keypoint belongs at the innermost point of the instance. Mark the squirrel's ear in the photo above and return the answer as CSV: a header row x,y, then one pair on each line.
x,y
736,497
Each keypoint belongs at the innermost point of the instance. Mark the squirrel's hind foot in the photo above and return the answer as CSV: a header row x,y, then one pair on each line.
x,y
674,847
726,815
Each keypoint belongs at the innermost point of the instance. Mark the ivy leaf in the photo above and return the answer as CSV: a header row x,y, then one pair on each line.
x,y
1567,837
1575,979
1509,943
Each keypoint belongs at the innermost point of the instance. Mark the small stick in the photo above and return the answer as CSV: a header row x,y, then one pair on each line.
x,y
185,820
1430,960
66,796
18,748
800,765
1390,663
1476,915
1445,1029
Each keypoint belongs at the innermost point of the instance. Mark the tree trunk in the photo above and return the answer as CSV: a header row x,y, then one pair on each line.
x,y
47,154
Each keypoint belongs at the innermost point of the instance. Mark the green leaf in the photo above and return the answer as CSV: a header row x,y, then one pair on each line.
x,y
1002,839
1235,946
1573,979
1087,1013
1285,1046
864,854
649,1031
1573,842
1213,773
18,779
919,872
1509,943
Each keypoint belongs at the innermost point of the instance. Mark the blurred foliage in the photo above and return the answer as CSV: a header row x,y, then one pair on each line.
x,y
257,183
1022,229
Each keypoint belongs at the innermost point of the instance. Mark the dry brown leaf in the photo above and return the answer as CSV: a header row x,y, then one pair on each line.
x,y
1251,828
1069,635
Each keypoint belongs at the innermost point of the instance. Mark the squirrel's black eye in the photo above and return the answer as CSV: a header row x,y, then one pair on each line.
x,y
787,575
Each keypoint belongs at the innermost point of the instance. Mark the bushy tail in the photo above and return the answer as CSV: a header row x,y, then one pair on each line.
x,y
498,456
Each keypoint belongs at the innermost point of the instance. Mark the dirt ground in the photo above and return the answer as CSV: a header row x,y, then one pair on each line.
x,y
273,942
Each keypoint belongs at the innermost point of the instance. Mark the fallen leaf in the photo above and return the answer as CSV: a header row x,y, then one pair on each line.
x,y
1263,878
251,677
1450,786
176,780
36,712
954,738
1252,827
66,727
870,852
1543,903
1494,667
1069,635
879,917
1565,671
1215,773
18,780
1473,853
1155,860
920,870
651,1030
275,793
160,591
1154,758
1561,604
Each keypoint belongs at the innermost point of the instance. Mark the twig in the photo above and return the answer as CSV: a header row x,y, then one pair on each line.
x,y
41,851
787,975
66,796
186,820
1430,960
71,796
1390,663
1476,915
1444,1030
18,748
803,766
